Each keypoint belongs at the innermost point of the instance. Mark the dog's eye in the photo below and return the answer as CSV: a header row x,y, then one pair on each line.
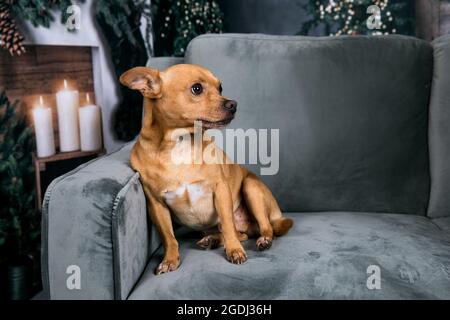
x,y
220,88
197,89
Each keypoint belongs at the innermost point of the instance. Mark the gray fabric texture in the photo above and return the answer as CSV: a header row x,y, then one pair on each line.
x,y
443,223
162,63
352,114
95,218
324,256
130,236
439,131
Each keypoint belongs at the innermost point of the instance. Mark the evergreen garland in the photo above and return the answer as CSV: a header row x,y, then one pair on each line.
x,y
19,224
349,17
177,22
121,16
38,12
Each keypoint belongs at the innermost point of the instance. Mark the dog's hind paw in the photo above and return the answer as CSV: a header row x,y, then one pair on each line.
x,y
263,243
208,242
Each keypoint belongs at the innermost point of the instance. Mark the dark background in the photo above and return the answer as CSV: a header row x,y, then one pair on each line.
x,y
283,17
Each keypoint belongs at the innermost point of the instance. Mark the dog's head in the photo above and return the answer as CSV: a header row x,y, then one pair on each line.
x,y
182,94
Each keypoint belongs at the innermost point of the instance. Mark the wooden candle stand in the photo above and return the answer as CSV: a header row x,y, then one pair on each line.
x,y
40,165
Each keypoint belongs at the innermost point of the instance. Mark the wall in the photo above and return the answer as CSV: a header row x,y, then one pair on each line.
x,y
105,82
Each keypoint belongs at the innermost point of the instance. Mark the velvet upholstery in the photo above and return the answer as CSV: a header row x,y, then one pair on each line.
x,y
352,114
440,130
324,256
95,218
162,63
129,237
443,223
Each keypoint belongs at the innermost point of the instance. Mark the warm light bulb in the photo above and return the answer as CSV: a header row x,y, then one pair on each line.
x,y
88,99
65,84
41,101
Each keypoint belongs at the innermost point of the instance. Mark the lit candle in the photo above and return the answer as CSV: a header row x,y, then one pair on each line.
x,y
43,128
90,126
68,103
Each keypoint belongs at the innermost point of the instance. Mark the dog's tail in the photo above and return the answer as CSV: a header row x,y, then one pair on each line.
x,y
281,226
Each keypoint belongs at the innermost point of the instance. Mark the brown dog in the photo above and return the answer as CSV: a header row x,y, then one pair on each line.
x,y
201,196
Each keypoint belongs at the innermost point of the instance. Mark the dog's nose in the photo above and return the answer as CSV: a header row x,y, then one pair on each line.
x,y
230,105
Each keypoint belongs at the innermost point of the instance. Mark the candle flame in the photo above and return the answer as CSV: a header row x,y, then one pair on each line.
x,y
65,84
88,98
41,101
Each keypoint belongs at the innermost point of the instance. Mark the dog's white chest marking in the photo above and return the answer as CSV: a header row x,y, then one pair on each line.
x,y
193,191
192,204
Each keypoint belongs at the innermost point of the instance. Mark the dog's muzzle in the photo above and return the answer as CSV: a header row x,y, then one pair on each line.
x,y
230,106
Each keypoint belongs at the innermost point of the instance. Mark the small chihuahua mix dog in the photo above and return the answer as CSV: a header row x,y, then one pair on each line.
x,y
224,200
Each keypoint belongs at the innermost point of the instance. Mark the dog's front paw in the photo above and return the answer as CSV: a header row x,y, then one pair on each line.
x,y
208,242
236,255
167,265
263,243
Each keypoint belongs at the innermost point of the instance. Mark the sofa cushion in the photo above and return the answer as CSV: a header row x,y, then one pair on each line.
x,y
443,223
324,256
352,114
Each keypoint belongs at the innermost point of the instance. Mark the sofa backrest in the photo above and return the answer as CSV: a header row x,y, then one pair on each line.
x,y
439,134
352,114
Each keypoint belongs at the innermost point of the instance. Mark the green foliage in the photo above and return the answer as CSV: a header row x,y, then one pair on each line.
x,y
119,21
19,223
349,17
38,12
116,14
177,22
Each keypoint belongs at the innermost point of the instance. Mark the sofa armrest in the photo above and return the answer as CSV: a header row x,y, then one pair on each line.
x,y
94,224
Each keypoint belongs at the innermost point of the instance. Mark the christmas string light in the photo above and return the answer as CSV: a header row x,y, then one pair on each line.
x,y
187,19
349,17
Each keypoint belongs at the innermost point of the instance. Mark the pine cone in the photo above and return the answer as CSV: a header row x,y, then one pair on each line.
x,y
11,38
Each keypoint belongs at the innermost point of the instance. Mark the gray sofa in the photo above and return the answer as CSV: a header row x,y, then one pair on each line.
x,y
364,126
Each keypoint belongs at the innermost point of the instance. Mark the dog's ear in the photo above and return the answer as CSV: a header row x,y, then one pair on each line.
x,y
146,80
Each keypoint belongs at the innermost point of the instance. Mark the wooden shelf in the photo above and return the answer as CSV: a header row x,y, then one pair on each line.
x,y
70,155
40,165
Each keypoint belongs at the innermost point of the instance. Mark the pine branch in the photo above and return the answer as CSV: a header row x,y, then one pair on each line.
x,y
17,216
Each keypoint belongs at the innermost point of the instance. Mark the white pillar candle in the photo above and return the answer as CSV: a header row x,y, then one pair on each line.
x,y
43,128
90,127
68,103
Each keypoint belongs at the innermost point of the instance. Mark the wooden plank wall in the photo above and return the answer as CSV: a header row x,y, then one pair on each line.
x,y
41,71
